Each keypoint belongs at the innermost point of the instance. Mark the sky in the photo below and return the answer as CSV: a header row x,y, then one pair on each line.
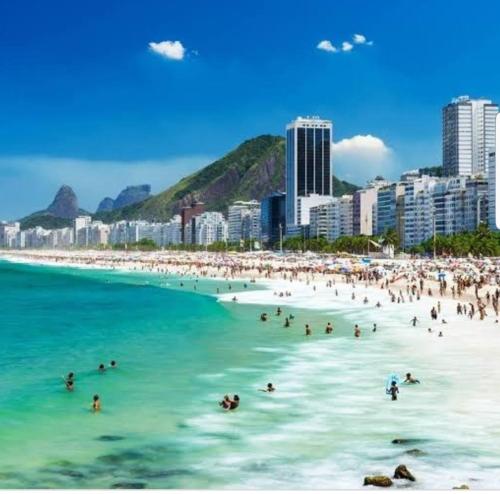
x,y
104,94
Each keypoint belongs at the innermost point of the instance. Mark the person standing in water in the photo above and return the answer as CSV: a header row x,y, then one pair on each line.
x,y
308,330
96,404
414,321
357,331
329,328
394,390
374,328
287,322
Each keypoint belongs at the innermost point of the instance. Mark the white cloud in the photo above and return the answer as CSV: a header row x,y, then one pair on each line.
x,y
326,45
346,46
359,39
362,157
173,50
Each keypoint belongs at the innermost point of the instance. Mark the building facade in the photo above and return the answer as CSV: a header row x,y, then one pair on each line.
x,y
273,218
469,131
308,163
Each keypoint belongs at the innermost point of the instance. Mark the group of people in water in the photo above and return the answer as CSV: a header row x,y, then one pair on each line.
x,y
69,383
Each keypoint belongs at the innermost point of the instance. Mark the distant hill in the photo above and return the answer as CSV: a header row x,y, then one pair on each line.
x,y
130,195
59,214
251,171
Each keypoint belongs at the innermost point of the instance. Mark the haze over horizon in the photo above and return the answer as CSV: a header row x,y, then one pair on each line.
x,y
101,96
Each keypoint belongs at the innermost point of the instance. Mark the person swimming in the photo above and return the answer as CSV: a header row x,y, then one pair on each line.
x,y
235,403
113,364
394,390
269,389
96,404
225,403
291,317
263,317
411,380
101,368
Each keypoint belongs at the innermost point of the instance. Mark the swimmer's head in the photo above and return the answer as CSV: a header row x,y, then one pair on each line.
x,y
96,397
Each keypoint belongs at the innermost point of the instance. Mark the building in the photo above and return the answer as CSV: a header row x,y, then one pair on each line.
x,y
492,193
273,218
244,221
210,227
469,131
187,213
418,210
308,163
390,208
333,219
172,231
364,205
8,234
81,230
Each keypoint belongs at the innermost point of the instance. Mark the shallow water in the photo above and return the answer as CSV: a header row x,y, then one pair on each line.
x,y
328,425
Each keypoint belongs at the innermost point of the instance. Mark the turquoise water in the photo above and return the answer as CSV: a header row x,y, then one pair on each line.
x,y
178,352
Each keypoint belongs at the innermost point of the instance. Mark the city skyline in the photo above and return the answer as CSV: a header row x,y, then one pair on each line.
x,y
121,102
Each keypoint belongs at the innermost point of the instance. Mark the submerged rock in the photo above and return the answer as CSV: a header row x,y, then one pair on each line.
x,y
110,438
415,452
129,485
402,472
378,481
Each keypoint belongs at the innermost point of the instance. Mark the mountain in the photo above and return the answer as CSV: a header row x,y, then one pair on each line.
x,y
105,205
128,196
65,204
251,171
60,213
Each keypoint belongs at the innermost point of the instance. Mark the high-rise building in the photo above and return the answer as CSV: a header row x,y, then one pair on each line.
x,y
187,213
390,209
364,202
273,218
308,163
468,135
8,233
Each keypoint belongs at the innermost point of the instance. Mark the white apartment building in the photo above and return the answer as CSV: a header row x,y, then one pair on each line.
x,y
8,233
244,221
172,231
333,219
492,193
469,132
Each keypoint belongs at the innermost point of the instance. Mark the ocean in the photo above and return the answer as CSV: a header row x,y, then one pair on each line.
x,y
179,350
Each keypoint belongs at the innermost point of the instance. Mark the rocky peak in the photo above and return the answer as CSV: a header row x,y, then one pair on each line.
x,y
65,203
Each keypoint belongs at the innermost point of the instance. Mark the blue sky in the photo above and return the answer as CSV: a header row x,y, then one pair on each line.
x,y
86,101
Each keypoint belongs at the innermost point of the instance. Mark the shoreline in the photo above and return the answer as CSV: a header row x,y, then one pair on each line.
x,y
405,347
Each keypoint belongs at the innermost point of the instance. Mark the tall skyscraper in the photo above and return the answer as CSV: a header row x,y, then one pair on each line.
x,y
468,135
308,163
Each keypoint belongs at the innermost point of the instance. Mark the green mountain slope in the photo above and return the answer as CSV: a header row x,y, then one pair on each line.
x,y
252,171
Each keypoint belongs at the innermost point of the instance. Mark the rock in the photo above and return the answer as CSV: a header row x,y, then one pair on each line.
x,y
129,485
463,486
415,452
378,481
65,203
402,472
106,205
131,195
107,438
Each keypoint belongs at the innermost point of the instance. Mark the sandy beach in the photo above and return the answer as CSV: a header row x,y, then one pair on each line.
x,y
449,421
